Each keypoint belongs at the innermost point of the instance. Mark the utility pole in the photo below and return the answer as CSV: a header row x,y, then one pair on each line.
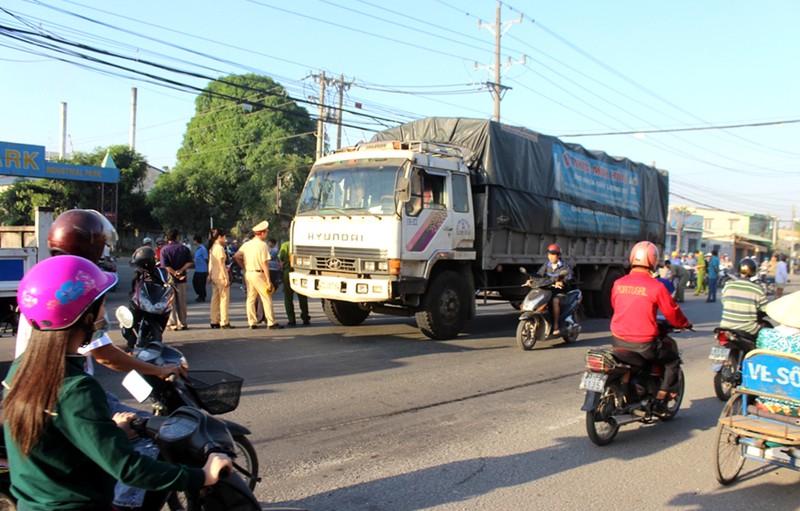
x,y
321,116
498,28
341,86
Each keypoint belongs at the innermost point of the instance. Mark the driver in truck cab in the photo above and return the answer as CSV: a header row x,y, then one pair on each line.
x,y
557,269
636,299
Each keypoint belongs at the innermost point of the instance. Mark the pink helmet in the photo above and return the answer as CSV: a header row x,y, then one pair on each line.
x,y
55,293
644,254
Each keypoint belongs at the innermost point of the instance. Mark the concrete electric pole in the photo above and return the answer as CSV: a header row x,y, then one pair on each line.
x,y
498,28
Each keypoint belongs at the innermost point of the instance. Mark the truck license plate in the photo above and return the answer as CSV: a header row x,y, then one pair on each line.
x,y
719,354
594,382
329,285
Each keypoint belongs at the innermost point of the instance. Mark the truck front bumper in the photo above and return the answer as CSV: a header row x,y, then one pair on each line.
x,y
340,288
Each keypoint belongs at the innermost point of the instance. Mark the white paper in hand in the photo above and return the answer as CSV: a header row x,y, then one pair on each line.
x,y
137,386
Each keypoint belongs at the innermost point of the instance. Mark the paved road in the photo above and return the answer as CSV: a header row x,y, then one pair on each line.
x,y
380,418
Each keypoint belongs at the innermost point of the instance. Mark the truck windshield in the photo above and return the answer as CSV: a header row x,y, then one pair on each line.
x,y
361,186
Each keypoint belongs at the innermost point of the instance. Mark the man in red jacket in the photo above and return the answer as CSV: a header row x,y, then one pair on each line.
x,y
636,299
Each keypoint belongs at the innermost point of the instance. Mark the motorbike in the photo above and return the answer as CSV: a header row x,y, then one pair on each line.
x,y
535,323
151,303
107,264
726,357
216,392
619,393
188,436
725,276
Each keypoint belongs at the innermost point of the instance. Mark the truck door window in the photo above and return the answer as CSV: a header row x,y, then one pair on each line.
x,y
427,192
460,193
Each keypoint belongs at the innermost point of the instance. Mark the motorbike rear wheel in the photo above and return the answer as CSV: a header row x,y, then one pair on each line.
x,y
723,379
602,432
674,403
529,332
728,458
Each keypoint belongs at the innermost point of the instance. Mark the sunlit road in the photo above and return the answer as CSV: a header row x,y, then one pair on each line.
x,y
378,417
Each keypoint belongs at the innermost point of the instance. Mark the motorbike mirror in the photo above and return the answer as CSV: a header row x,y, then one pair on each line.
x,y
124,316
523,270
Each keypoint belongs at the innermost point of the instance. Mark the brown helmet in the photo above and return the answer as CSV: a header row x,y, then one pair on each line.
x,y
81,232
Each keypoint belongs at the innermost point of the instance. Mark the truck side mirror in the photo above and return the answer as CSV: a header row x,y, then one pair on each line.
x,y
402,191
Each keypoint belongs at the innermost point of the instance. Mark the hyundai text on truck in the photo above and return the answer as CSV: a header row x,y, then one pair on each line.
x,y
432,216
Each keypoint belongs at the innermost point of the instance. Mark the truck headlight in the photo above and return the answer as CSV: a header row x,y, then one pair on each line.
x,y
369,266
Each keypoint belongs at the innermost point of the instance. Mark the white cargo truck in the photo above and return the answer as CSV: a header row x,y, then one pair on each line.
x,y
433,215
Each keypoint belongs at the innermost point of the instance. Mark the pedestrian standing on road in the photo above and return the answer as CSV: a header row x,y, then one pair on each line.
x,y
713,275
701,267
781,276
285,257
218,276
176,258
200,277
253,256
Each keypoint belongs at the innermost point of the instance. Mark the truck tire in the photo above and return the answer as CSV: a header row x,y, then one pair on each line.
x,y
344,313
446,307
602,303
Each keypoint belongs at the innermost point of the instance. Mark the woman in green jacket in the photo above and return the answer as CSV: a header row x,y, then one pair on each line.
x,y
64,451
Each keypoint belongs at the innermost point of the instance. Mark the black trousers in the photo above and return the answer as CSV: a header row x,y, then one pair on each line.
x,y
665,350
199,284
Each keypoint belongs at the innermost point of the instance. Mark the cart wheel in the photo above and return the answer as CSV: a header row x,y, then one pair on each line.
x,y
728,457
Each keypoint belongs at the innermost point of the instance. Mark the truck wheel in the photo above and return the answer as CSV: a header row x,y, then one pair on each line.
x,y
603,304
344,313
446,307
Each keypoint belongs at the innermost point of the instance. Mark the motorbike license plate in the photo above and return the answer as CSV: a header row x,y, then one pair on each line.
x,y
594,382
719,354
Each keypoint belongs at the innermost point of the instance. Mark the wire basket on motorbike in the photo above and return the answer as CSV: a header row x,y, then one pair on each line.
x,y
217,392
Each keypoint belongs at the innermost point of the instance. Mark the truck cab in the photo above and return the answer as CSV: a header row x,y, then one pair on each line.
x,y
377,225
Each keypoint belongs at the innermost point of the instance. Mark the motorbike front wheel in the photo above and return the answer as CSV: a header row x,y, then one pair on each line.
x,y
246,462
728,458
601,431
529,331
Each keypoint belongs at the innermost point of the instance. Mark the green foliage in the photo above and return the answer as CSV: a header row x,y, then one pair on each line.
x,y
244,134
18,202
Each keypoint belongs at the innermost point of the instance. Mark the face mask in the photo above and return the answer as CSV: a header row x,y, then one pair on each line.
x,y
101,327
98,329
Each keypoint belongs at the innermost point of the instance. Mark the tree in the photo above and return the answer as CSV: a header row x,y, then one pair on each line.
x,y
18,202
244,134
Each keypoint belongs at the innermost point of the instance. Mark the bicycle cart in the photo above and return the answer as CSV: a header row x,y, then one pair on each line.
x,y
747,429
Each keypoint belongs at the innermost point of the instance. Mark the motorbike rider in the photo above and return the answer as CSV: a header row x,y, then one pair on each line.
x,y
65,451
84,233
743,299
561,272
636,299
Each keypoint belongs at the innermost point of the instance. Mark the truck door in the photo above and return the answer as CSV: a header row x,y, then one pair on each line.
x,y
428,224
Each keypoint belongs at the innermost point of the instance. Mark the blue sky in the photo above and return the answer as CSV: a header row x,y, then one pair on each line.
x,y
591,68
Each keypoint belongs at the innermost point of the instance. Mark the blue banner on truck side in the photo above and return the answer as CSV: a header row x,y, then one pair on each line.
x,y
773,373
595,180
569,217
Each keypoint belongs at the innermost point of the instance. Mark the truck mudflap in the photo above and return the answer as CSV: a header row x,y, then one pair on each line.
x,y
590,401
341,288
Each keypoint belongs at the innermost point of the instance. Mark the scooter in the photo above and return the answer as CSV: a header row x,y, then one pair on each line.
x,y
188,436
726,357
216,392
620,393
151,303
535,322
